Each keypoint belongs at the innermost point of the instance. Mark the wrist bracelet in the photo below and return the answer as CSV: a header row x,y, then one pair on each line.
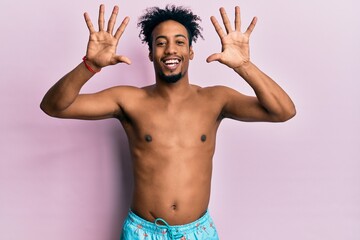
x,y
88,67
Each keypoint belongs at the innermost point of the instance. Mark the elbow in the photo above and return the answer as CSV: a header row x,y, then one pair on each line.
x,y
290,115
286,114
48,110
293,112
43,107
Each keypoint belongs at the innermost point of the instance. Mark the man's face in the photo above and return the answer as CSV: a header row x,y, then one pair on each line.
x,y
170,51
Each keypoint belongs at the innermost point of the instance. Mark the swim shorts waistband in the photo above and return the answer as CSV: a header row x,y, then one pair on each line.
x,y
155,227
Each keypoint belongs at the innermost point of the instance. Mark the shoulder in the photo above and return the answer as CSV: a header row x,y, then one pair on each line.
x,y
124,92
124,96
124,89
217,91
127,98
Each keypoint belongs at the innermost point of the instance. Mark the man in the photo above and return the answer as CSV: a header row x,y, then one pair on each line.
x,y
171,125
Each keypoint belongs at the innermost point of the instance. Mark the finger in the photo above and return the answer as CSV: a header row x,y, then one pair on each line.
x,y
120,59
251,26
217,27
214,57
112,20
237,19
101,17
225,20
89,23
121,29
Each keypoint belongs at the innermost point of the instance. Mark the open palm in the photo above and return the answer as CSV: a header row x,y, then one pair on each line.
x,y
101,50
235,44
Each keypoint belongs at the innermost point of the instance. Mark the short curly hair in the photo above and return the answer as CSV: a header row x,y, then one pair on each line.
x,y
154,16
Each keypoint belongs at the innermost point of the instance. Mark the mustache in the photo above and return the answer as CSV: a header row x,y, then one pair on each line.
x,y
172,56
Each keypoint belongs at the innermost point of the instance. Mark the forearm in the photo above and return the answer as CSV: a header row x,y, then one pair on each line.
x,y
65,91
269,94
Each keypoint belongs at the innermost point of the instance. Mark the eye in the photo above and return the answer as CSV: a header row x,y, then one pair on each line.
x,y
160,44
179,42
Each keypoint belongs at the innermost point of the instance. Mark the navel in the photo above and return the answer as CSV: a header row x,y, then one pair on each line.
x,y
148,138
203,138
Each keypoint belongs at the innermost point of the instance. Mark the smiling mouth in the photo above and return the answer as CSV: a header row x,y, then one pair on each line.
x,y
171,63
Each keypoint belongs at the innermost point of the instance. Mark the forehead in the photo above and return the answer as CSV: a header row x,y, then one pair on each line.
x,y
169,28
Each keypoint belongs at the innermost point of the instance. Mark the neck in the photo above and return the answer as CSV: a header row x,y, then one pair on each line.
x,y
173,91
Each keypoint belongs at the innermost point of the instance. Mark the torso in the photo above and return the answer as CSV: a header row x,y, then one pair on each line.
x,y
172,145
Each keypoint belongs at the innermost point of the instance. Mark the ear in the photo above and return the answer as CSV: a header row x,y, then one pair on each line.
x,y
191,53
150,56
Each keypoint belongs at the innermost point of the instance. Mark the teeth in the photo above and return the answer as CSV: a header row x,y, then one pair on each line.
x,y
172,61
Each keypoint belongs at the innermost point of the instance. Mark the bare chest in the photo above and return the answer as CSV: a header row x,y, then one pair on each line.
x,y
186,124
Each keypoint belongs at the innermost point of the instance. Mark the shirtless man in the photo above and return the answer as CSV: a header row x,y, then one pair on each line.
x,y
171,125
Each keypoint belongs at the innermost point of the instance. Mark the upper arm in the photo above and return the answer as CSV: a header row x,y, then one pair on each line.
x,y
100,105
242,107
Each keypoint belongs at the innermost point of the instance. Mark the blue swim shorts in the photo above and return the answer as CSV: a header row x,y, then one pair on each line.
x,y
135,228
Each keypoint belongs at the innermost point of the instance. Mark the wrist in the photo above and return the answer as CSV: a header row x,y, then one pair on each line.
x,y
243,67
90,66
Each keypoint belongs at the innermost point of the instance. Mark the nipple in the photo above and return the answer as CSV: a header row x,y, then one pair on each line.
x,y
148,138
203,138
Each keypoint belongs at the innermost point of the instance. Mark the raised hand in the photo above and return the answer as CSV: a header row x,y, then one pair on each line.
x,y
235,44
101,49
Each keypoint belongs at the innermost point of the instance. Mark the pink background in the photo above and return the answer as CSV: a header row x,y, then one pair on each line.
x,y
299,180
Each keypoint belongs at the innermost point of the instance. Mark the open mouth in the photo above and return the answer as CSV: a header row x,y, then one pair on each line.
x,y
171,63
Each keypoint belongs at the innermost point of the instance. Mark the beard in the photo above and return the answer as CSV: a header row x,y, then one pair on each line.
x,y
170,78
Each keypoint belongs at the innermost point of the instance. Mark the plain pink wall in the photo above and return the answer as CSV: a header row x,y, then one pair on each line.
x,y
299,180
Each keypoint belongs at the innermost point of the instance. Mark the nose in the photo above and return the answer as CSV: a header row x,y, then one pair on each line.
x,y
170,49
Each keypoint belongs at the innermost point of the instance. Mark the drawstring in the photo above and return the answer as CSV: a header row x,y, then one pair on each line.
x,y
167,227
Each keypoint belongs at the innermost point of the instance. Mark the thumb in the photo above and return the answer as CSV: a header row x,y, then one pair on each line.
x,y
213,57
121,59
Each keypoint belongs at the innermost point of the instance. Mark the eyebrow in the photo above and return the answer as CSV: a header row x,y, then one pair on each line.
x,y
177,35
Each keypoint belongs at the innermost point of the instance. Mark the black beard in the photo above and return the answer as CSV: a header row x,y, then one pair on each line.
x,y
171,78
